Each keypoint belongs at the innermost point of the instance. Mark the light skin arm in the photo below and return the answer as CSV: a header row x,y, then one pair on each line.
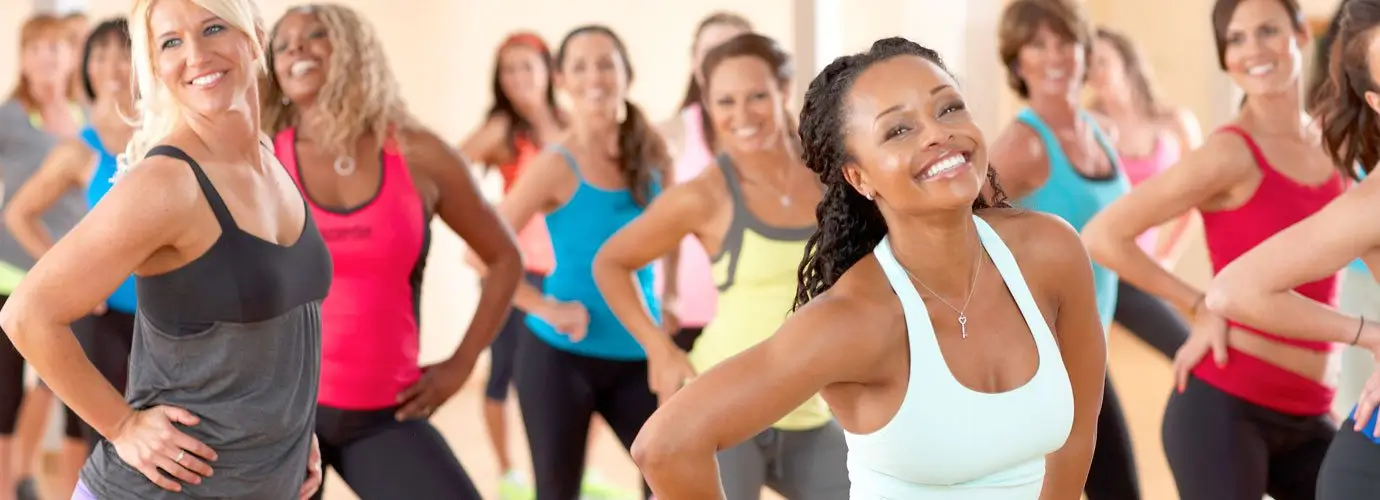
x,y
537,188
655,233
1082,345
1185,129
480,147
1197,179
464,209
142,214
1258,287
1019,158
62,171
818,346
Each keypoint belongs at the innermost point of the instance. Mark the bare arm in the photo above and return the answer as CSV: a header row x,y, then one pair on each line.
x,y
1257,288
545,183
655,233
1019,158
147,211
482,146
62,171
463,208
1184,127
673,132
1199,178
818,346
1082,345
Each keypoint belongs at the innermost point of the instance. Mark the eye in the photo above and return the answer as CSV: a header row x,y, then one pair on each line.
x,y
952,108
212,29
170,43
896,131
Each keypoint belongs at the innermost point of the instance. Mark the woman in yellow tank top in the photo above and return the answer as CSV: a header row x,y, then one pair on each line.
x,y
753,211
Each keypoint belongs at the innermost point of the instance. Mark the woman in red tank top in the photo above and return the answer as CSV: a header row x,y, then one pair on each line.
x,y
1250,412
1258,287
374,179
522,118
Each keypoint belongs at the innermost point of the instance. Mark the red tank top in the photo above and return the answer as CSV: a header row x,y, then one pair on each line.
x,y
1277,203
533,238
370,335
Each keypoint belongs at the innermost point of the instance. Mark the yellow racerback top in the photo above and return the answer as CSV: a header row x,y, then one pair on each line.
x,y
755,272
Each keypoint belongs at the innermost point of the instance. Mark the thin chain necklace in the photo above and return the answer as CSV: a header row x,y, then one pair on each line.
x,y
962,318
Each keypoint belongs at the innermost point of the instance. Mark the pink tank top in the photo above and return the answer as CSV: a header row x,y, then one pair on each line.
x,y
532,239
695,288
1138,169
369,324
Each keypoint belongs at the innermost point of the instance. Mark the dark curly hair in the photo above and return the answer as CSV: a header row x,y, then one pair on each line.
x,y
848,226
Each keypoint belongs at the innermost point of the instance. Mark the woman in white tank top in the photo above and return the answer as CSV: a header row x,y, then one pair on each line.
x,y
956,340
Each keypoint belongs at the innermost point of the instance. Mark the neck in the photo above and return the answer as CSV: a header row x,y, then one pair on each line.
x,y
1056,110
936,247
1120,110
539,115
1277,114
307,116
233,135
48,93
773,162
596,136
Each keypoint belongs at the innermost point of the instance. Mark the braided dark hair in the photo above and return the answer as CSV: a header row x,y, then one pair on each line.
x,y
848,225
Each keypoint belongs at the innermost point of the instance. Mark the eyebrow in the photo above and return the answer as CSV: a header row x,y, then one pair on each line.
x,y
209,19
899,107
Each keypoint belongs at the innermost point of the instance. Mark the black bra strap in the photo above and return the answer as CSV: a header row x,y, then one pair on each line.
x,y
209,190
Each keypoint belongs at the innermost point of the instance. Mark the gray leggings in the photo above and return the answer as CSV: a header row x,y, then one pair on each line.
x,y
799,465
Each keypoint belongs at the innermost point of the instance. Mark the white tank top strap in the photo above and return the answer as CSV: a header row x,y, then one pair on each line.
x,y
1005,262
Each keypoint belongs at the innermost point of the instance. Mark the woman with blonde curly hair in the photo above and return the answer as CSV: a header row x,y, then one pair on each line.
x,y
374,179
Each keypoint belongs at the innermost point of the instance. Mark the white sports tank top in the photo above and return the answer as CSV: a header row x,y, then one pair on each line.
x,y
948,442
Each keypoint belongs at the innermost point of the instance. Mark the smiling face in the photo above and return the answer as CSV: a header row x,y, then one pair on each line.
x,y
206,63
523,75
47,57
746,103
1051,64
1262,50
109,68
913,144
593,74
1107,72
301,56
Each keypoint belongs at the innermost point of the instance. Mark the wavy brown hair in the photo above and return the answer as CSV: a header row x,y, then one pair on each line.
x,y
1351,130
360,97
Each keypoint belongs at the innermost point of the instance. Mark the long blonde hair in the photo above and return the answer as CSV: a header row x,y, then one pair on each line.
x,y
157,113
39,27
360,97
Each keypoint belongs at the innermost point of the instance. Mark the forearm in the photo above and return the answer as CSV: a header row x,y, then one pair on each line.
x,y
53,351
1284,313
528,298
1134,266
618,285
1066,470
670,269
687,474
495,301
29,232
1172,245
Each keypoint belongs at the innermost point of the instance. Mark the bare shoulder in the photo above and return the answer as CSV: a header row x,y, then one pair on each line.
x,y
1018,147
856,313
423,144
1222,151
1045,246
160,187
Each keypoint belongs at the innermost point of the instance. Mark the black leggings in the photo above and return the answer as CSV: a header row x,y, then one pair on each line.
x,y
1223,448
503,350
1113,475
1351,470
382,458
558,392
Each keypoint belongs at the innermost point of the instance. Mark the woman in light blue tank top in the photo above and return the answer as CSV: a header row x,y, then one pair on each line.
x,y
580,360
956,373
1056,159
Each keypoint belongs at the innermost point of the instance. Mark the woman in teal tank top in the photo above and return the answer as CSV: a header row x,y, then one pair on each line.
x,y
1056,159
579,360
759,178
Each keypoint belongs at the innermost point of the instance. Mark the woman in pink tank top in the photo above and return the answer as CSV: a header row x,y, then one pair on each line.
x,y
522,118
374,179
691,301
1150,135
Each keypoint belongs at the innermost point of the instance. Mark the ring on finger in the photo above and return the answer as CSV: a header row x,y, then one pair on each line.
x,y
180,454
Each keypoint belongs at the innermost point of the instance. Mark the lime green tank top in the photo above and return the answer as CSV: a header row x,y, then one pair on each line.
x,y
755,272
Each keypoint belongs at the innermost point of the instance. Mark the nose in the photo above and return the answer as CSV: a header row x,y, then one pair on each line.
x,y
195,52
937,134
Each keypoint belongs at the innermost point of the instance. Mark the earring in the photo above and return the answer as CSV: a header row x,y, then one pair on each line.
x,y
286,101
868,195
622,112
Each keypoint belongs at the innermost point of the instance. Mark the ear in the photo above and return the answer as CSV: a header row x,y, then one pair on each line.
x,y
1304,37
858,180
1373,100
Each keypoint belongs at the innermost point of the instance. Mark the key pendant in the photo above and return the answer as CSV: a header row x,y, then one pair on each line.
x,y
963,325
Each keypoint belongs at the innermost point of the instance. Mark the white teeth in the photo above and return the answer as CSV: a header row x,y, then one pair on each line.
x,y
1260,69
745,132
1054,74
594,95
205,80
300,68
947,164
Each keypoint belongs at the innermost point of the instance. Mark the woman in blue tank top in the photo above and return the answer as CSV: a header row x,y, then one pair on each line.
x,y
580,360
1056,159
86,164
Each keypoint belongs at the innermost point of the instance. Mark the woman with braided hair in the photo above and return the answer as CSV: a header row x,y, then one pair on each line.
x,y
888,134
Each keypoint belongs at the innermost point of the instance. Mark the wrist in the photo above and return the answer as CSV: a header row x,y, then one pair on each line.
x,y
112,433
1368,336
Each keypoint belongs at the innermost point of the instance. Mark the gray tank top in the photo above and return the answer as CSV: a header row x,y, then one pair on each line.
x,y
22,151
235,338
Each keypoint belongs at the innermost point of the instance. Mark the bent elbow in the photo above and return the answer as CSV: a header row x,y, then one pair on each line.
x,y
1098,243
14,217
658,446
1226,294
13,320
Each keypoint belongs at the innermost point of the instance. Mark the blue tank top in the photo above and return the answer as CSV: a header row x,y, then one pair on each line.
x,y
1076,198
578,229
123,300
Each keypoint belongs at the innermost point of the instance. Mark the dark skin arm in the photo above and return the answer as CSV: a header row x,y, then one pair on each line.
x,y
1019,158
463,208
1082,345
682,210
149,216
